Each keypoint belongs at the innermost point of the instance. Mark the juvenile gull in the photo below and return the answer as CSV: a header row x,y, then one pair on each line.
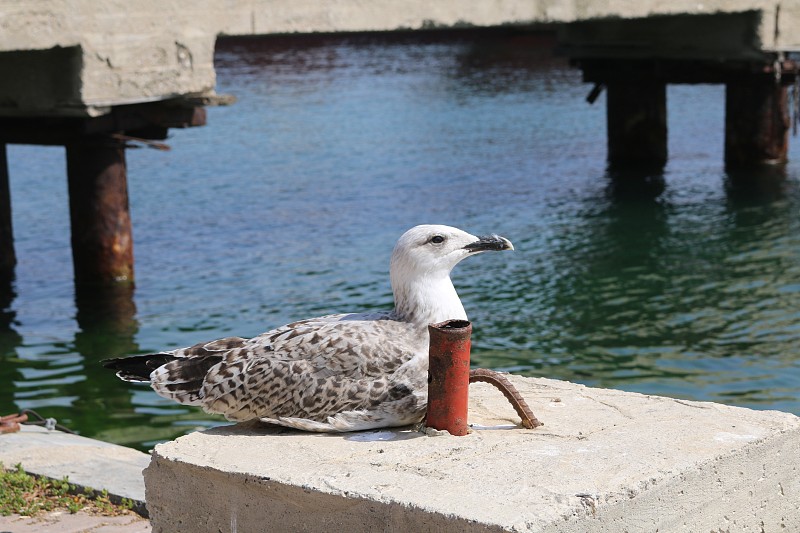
x,y
344,372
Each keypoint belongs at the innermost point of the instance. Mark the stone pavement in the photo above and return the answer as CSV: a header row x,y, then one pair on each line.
x,y
63,522
87,463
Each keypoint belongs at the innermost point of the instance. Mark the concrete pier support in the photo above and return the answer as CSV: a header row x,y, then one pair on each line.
x,y
637,123
8,258
756,122
102,243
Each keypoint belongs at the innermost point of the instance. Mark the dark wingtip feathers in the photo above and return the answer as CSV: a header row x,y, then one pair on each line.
x,y
137,368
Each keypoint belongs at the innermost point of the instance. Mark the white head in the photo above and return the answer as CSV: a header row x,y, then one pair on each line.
x,y
420,270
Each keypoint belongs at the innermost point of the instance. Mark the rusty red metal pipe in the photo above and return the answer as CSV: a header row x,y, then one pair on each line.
x,y
448,376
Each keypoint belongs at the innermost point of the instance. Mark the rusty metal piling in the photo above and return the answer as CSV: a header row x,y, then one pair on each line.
x,y
7,256
757,122
636,122
102,245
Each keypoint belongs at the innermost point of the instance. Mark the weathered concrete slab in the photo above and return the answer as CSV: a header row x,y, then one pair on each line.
x,y
87,462
604,461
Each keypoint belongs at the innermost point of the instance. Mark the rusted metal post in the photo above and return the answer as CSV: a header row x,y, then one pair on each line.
x,y
756,122
636,115
8,258
448,376
102,243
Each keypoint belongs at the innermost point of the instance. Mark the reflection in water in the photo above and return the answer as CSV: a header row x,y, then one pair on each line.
x,y
106,317
9,341
757,185
7,315
635,184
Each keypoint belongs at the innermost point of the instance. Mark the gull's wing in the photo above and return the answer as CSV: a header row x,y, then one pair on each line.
x,y
310,369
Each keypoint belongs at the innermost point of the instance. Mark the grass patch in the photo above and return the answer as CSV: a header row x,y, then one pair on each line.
x,y
27,495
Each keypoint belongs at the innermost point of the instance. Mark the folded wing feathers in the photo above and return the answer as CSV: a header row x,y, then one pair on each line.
x,y
308,369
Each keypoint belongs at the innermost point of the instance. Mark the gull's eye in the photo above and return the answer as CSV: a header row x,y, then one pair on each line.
x,y
437,239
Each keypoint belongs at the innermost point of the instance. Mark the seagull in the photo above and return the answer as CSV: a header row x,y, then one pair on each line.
x,y
335,373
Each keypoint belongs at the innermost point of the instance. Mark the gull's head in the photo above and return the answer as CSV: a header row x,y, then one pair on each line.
x,y
430,249
424,256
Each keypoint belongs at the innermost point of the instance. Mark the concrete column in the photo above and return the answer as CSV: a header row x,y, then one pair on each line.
x,y
637,124
8,258
102,243
756,123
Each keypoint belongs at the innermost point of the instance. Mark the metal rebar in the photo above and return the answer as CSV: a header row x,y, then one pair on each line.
x,y
509,391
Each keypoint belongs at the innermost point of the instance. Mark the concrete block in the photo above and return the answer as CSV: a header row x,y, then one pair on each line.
x,y
124,53
605,461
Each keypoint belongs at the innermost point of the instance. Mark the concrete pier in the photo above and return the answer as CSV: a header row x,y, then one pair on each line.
x,y
605,461
636,58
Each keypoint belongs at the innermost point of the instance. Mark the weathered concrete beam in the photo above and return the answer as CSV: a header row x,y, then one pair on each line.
x,y
605,461
148,121
696,37
120,53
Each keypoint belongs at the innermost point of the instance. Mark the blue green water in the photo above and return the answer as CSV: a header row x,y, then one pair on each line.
x,y
288,203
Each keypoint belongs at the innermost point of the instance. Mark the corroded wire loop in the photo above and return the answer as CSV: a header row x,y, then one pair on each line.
x,y
10,423
509,391
48,423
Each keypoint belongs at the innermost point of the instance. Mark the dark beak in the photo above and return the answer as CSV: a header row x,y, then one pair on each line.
x,y
489,243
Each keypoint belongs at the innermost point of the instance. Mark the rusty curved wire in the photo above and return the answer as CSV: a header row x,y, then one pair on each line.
x,y
10,423
511,393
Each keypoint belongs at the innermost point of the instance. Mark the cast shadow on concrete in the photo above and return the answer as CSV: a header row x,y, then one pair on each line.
x,y
256,428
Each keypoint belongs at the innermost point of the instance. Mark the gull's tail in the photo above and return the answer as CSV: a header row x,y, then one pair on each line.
x,y
177,378
177,375
137,368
